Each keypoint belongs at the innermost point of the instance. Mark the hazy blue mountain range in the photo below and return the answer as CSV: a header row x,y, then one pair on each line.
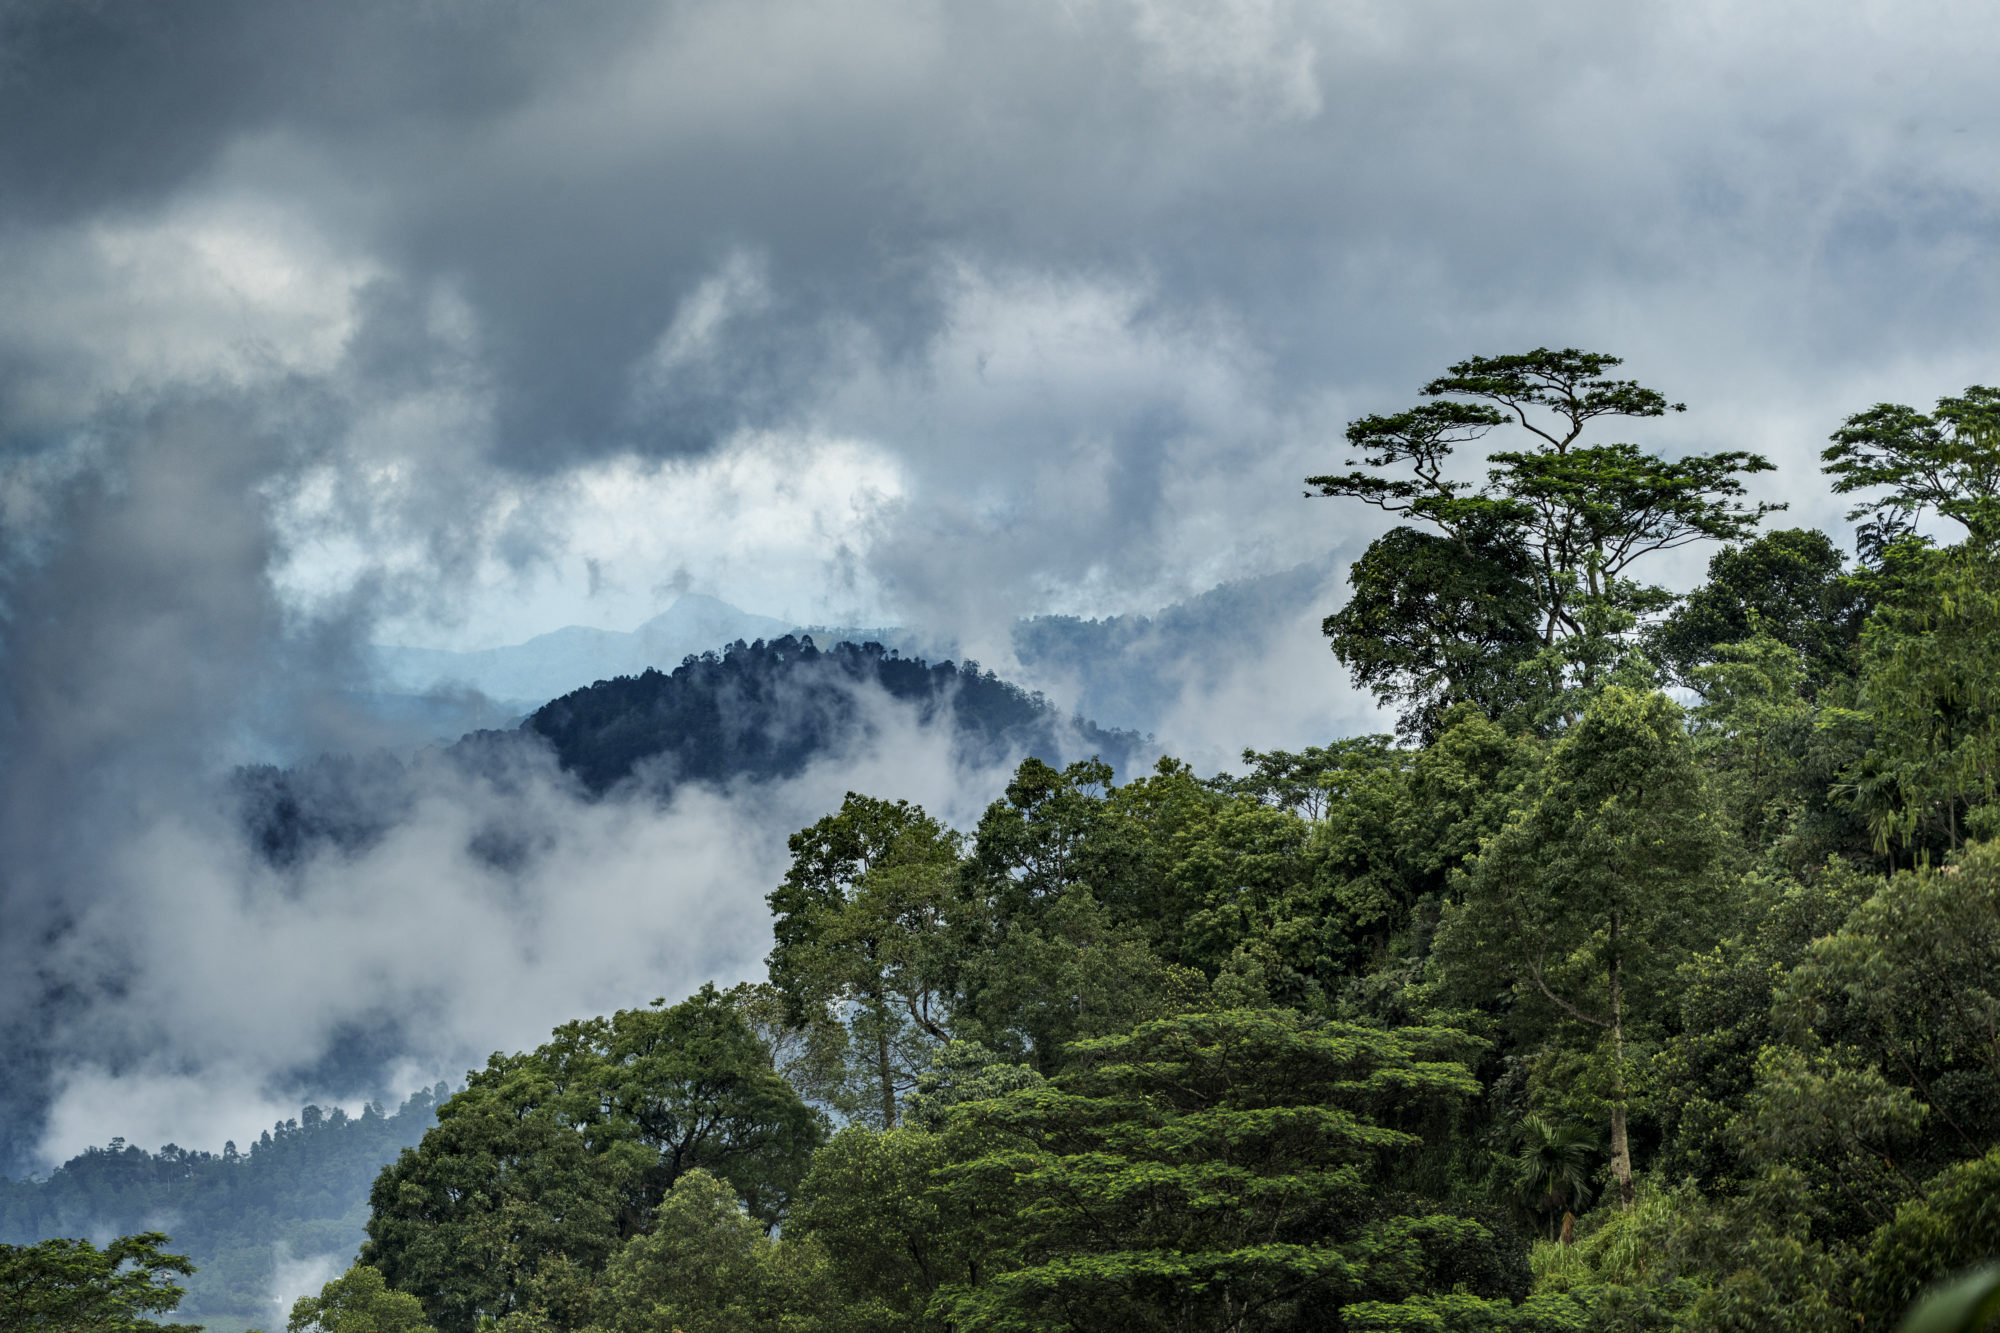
x,y
550,665
1124,672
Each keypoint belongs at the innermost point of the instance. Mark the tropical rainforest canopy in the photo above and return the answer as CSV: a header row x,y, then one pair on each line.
x,y
1649,978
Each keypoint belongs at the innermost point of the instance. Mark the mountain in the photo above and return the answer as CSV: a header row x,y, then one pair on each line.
x,y
766,710
552,664
1124,671
754,712
1130,671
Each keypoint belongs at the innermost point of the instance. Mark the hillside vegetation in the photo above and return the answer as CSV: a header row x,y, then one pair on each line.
x,y
1647,979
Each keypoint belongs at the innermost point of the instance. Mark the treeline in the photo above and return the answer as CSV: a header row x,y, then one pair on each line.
x,y
299,1189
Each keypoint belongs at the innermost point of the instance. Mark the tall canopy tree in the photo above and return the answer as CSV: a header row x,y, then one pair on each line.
x,y
1946,462
863,922
1572,516
1581,900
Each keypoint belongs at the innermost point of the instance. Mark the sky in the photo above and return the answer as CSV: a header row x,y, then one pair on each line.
x,y
449,324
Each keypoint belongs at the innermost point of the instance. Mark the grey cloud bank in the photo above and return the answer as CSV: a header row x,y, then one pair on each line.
x,y
319,319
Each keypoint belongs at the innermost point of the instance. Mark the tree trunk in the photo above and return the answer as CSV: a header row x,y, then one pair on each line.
x,y
887,1074
1621,1148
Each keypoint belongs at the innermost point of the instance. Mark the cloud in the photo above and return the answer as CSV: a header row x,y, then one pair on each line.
x,y
216,989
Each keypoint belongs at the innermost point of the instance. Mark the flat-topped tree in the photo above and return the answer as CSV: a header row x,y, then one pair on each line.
x,y
1560,523
1945,462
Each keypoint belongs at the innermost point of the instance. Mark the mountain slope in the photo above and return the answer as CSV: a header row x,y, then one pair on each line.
x,y
300,1193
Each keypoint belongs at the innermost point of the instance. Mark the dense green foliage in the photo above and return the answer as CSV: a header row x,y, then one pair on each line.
x,y
1650,981
547,1163
71,1286
301,1190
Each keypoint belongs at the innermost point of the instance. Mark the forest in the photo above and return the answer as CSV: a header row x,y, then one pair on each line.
x,y
299,1189
1648,978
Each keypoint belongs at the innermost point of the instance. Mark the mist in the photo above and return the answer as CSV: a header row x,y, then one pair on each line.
x,y
231,990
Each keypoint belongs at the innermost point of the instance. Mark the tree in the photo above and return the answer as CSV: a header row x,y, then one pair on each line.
x,y
1068,894
358,1301
891,1240
1930,688
1589,896
547,1162
1553,1166
1230,1170
1785,585
1563,522
863,923
1437,620
1910,983
1955,1226
71,1286
706,1266
1945,463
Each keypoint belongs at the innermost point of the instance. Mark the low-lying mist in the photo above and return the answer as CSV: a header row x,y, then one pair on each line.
x,y
224,991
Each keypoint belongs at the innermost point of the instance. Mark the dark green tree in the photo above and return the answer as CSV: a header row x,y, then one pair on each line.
x,y
1566,517
1786,586
1434,620
1232,1170
1067,897
549,1161
864,933
71,1286
1595,890
1930,692
1553,1167
1946,463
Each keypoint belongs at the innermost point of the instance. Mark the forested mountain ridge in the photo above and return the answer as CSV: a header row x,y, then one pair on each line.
x,y
299,1191
765,710
755,712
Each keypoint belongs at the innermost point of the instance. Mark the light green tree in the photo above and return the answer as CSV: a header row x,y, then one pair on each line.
x,y
358,1301
71,1286
706,1266
863,925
